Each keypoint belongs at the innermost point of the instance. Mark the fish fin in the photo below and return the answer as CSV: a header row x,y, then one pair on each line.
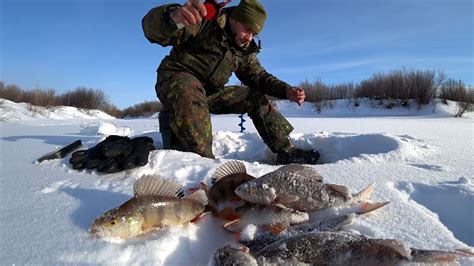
x,y
466,251
365,193
197,218
237,236
397,245
367,207
240,247
232,167
437,256
278,228
154,185
199,196
228,214
340,189
285,199
281,206
234,226
235,198
204,187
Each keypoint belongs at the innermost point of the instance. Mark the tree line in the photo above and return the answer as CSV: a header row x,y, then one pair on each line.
x,y
395,88
80,97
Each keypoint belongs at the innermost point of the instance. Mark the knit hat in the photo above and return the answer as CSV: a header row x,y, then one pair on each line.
x,y
250,13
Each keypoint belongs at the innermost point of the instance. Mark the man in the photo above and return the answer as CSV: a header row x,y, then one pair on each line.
x,y
205,53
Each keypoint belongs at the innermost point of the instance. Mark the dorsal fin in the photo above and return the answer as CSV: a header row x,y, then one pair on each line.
x,y
154,185
341,189
199,196
232,167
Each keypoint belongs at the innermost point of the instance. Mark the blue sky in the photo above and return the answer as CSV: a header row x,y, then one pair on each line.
x,y
63,44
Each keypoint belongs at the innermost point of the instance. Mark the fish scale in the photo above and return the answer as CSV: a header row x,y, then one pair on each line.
x,y
293,180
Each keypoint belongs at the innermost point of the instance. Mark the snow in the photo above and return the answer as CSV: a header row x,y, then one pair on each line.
x,y
419,158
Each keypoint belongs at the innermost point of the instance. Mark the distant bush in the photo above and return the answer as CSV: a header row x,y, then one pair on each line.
x,y
466,103
456,90
11,92
453,90
323,95
399,86
38,97
143,109
80,97
113,111
85,98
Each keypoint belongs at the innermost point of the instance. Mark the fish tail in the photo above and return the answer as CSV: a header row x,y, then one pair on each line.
x,y
227,214
364,194
433,256
234,226
367,207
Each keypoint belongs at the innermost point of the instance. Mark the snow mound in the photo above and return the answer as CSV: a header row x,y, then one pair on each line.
x,y
333,146
15,112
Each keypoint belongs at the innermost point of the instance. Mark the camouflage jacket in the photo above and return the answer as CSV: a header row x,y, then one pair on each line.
x,y
208,52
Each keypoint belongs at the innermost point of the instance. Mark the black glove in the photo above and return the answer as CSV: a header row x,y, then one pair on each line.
x,y
95,156
114,154
139,156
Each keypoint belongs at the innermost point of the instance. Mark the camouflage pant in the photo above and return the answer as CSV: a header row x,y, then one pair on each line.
x,y
190,105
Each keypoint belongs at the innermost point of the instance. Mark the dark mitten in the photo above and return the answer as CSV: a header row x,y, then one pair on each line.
x,y
139,156
102,154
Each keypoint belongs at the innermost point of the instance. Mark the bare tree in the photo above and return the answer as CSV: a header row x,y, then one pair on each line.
x,y
453,90
466,102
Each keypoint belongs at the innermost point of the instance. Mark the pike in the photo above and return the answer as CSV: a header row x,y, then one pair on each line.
x,y
156,203
343,248
301,188
225,180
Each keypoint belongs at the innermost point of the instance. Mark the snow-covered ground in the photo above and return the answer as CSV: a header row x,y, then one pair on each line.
x,y
421,161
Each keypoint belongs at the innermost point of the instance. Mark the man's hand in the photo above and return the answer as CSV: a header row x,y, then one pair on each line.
x,y
295,94
189,14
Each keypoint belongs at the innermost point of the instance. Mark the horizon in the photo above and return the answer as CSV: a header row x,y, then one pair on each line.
x,y
100,44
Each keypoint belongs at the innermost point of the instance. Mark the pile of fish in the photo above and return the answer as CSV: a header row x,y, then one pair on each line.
x,y
276,206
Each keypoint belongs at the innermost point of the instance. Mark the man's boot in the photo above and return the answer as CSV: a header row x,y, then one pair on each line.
x,y
298,156
170,140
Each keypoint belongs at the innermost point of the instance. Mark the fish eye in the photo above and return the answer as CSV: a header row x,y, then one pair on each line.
x,y
112,223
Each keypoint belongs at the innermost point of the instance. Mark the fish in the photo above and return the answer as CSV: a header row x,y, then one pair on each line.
x,y
225,180
344,248
275,218
232,254
300,188
156,203
263,239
